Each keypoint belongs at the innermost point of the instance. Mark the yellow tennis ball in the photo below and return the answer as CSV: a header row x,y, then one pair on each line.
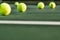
x,y
5,7
40,5
16,3
21,7
52,5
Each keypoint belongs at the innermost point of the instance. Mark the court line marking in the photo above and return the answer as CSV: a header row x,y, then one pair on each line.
x,y
30,22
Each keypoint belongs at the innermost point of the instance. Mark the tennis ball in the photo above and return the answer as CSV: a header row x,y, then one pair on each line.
x,y
21,7
16,3
52,5
40,5
5,9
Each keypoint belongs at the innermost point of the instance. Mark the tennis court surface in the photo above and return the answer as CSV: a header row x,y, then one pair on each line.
x,y
34,24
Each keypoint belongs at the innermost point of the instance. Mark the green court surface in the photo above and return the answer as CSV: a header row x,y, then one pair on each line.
x,y
29,32
33,13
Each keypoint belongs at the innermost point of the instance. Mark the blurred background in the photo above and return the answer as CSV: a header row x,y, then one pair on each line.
x,y
32,1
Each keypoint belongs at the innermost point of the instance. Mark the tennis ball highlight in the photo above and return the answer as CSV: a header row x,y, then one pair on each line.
x,y
21,7
5,9
40,5
52,5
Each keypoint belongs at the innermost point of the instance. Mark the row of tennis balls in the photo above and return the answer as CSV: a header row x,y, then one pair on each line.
x,y
41,5
5,8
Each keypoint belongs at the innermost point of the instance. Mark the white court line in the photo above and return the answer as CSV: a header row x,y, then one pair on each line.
x,y
30,22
